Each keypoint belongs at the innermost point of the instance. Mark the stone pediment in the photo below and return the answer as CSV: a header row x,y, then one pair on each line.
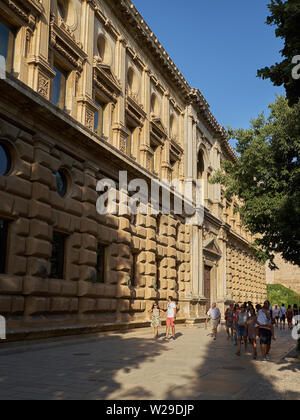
x,y
106,80
158,128
211,245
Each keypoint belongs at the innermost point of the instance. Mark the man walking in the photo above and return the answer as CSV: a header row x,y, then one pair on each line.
x,y
214,315
171,318
264,322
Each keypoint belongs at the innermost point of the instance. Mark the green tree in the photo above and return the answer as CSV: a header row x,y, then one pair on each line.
x,y
286,16
266,178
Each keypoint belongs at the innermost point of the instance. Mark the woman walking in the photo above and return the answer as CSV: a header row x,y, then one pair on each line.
x,y
242,330
251,326
155,319
229,315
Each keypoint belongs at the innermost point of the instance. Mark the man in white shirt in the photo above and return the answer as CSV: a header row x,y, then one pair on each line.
x,y
264,321
171,318
214,315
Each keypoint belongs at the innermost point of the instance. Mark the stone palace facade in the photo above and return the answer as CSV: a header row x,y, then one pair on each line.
x,y
89,91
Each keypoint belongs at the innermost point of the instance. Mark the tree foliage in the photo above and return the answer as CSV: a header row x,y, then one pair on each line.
x,y
266,179
286,16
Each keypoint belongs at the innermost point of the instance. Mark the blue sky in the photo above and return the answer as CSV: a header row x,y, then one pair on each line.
x,y
218,45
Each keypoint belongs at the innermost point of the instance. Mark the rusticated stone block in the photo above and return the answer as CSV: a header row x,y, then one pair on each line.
x,y
89,195
89,226
124,251
10,285
40,192
6,203
74,207
141,231
141,220
117,277
150,294
87,305
18,186
151,234
38,248
150,246
106,305
25,150
17,265
34,266
140,293
112,221
120,264
42,174
123,292
63,305
171,284
5,304
40,211
21,207
89,242
36,305
74,256
124,224
18,305
124,237
150,270
35,286
124,305
150,222
40,230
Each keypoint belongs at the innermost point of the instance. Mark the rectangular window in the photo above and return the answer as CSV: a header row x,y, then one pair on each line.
x,y
101,264
58,256
59,87
99,127
130,141
134,277
3,245
7,46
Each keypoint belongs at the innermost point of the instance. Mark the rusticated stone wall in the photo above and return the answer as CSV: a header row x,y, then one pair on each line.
x,y
245,275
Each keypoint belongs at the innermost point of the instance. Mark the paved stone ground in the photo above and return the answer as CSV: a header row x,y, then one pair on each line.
x,y
132,365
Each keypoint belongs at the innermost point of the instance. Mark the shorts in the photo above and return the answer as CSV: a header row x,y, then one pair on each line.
x,y
283,318
242,332
265,336
170,322
215,323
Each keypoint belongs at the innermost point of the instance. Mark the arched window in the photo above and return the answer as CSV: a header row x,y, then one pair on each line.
x,y
5,159
155,105
133,81
173,127
104,50
200,165
62,9
62,182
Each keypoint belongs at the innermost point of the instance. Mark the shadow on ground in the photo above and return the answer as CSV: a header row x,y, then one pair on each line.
x,y
88,372
237,378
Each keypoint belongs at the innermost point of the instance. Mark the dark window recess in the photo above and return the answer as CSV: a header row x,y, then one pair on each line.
x,y
58,256
5,160
134,279
101,264
61,183
3,245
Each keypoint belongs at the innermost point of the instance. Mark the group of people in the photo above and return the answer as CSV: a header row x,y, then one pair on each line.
x,y
246,323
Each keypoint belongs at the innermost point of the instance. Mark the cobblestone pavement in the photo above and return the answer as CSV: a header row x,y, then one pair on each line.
x,y
132,365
